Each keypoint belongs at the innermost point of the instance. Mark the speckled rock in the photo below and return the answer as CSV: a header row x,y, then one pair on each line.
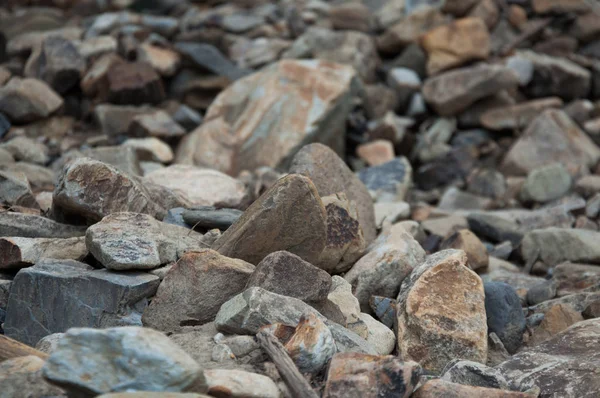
x,y
474,374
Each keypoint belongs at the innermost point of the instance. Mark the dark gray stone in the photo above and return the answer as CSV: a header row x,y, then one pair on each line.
x,y
4,125
534,320
474,374
208,57
53,296
495,228
34,226
210,217
385,309
542,292
388,177
187,117
504,314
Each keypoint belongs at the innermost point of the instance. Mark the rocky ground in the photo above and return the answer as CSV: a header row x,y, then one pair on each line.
x,y
254,199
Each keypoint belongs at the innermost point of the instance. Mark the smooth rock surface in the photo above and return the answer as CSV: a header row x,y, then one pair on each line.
x,y
504,314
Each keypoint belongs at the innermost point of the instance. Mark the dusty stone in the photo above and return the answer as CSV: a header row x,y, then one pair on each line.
x,y
572,278
455,199
445,226
556,245
356,375
385,309
201,187
261,135
558,318
35,226
20,252
15,190
312,345
441,305
151,148
488,11
287,274
22,377
546,183
60,294
379,335
28,100
441,388
391,212
27,149
467,241
289,216
40,178
353,16
209,217
453,92
474,374
122,359
164,60
154,124
549,6
389,181
331,175
504,315
230,383
376,152
342,307
348,341
455,44
134,84
518,116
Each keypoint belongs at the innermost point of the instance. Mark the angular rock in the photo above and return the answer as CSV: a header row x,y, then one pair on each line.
x,y
116,119
94,82
287,274
40,178
556,245
376,152
155,124
151,148
121,359
210,217
474,374
546,183
495,228
22,377
455,199
379,335
558,318
517,116
348,341
543,292
342,307
572,278
28,100
312,345
389,181
441,388
317,99
385,309
289,216
208,57
27,149
441,314
233,383
123,158
23,252
467,241
15,190
134,83
164,60
59,294
504,314
391,212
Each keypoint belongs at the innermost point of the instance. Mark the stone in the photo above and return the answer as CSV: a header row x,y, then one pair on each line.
x,y
455,44
573,278
208,57
445,226
517,116
555,245
391,212
385,309
345,240
549,6
352,16
289,216
40,178
588,185
94,82
57,62
22,377
592,310
474,374
93,47
155,124
28,100
546,183
134,83
93,190
115,120
488,11
164,60
560,366
495,228
543,292
355,375
405,82
331,175
376,152
312,345
342,307
381,271
27,149
348,341
209,217
48,344
153,394
453,92
287,274
35,226
15,190
379,335
231,383
441,313
455,199
24,252
26,42
126,241
60,294
558,318
467,241
247,312
150,148
585,27
442,388
260,135
389,181
258,52
124,158
122,359
201,187
504,314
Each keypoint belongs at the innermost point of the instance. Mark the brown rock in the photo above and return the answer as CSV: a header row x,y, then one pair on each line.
x,y
353,16
441,312
517,16
558,318
155,124
455,44
467,241
28,100
116,119
24,43
164,60
342,307
289,216
558,6
287,274
40,178
376,152
24,252
22,377
260,134
354,375
586,27
441,388
151,149
517,116
134,83
488,11
312,345
458,8
574,278
95,81
15,190
192,292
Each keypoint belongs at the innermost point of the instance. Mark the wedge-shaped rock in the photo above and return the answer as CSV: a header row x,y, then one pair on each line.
x,y
24,252
28,100
195,288
342,307
268,115
289,216
15,190
441,313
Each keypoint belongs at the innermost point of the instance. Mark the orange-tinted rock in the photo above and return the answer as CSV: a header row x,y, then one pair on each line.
x,y
440,388
517,16
468,242
558,318
376,152
134,83
312,345
165,61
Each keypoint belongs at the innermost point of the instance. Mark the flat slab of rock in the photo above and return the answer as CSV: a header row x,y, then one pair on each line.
x,y
28,100
519,115
194,289
58,295
210,217
23,252
33,226
289,216
440,388
239,383
556,245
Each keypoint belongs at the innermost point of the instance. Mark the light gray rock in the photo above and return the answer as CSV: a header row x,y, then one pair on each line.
x,y
210,217
341,306
348,341
379,335
23,252
48,344
546,183
474,374
91,362
15,190
28,100
240,384
27,149
556,245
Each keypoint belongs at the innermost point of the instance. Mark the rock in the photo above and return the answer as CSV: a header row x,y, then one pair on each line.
x,y
26,149
345,240
379,335
504,314
22,377
40,178
275,146
93,190
194,289
352,16
123,158
164,60
116,119
82,293
94,83
558,318
289,216
389,181
28,100
156,123
151,148
49,343
518,116
35,226
15,190
122,359
549,6
331,175
153,394
453,92
287,274
134,83
368,376
543,292
208,57
209,217
230,383
592,310
560,366
201,187
474,374
441,388
455,44
405,82
312,345
555,245
445,226
24,252
467,241
441,312
247,312
455,199
546,183
488,11
385,309
588,185
376,152
381,271
572,278
495,228
391,212
342,307
126,241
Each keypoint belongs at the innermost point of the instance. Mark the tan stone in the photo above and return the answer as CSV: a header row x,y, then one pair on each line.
x,y
441,388
155,124
164,60
234,383
312,345
468,242
558,318
95,82
488,11
24,252
151,148
455,44
519,115
28,100
550,6
22,377
376,152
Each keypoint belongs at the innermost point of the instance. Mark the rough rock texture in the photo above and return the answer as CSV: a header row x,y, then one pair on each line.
x,y
441,313
289,216
24,252
468,242
556,245
15,189
312,345
381,336
238,384
504,314
342,307
28,100
22,377
474,374
558,318
441,388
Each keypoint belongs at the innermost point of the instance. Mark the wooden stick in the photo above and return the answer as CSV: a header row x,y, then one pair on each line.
x,y
10,348
299,387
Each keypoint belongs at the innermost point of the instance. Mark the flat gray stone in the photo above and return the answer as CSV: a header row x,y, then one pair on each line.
x,y
556,245
34,226
210,217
